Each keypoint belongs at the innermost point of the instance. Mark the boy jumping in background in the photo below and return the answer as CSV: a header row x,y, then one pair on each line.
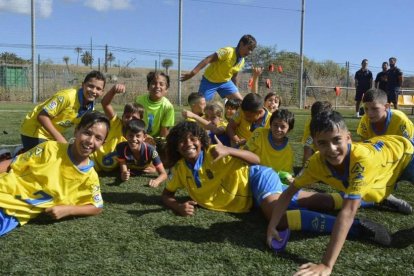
x,y
221,74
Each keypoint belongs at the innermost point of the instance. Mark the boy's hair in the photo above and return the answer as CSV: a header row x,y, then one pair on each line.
x,y
179,132
375,95
327,121
91,118
134,126
95,75
252,102
132,108
233,103
284,115
194,98
320,106
216,108
247,40
272,94
153,75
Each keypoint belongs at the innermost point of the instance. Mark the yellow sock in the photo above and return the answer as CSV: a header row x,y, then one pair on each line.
x,y
338,200
294,220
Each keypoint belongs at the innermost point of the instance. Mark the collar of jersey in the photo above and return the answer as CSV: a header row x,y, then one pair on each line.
x,y
83,169
344,177
274,146
83,110
253,126
194,169
387,122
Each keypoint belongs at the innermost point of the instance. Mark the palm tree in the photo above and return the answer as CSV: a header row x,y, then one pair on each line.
x,y
86,58
110,58
78,50
167,63
66,60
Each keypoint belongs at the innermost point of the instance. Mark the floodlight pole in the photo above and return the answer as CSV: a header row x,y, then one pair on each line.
x,y
301,55
34,73
180,38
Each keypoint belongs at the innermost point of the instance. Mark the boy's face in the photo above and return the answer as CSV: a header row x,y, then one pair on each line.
x,y
158,88
279,129
87,140
135,140
230,111
333,145
126,117
92,89
375,111
245,49
212,117
198,108
272,104
251,116
189,148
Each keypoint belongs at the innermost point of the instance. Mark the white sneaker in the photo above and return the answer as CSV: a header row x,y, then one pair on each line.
x,y
357,115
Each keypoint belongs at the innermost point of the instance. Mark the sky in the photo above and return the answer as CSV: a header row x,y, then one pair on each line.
x,y
141,33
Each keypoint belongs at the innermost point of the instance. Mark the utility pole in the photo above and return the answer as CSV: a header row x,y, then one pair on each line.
x,y
106,58
301,56
180,38
34,72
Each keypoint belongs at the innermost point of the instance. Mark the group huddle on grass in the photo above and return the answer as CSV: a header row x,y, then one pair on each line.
x,y
228,159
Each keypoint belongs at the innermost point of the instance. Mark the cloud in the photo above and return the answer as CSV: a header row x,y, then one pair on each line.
x,y
42,9
105,5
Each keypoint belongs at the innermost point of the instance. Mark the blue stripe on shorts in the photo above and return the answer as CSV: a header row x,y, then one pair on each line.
x,y
7,223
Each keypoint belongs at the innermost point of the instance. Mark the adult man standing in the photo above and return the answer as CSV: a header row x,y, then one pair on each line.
x,y
395,79
382,78
363,82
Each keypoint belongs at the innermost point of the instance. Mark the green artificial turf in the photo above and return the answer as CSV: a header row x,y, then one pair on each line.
x,y
136,235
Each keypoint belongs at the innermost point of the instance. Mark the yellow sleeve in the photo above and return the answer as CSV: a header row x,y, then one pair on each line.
x,y
56,104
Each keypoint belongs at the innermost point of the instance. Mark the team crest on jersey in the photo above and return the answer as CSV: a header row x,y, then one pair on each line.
x,y
66,123
364,127
97,198
52,105
95,188
210,174
357,168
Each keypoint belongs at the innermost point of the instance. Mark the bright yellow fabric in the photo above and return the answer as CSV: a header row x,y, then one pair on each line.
x,y
105,158
224,183
372,171
64,109
280,159
294,220
46,176
243,128
224,69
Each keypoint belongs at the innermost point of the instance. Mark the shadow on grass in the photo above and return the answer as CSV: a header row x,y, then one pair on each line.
x,y
403,238
140,213
130,198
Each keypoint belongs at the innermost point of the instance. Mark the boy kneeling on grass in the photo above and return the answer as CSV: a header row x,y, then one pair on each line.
x,y
54,178
363,171
226,179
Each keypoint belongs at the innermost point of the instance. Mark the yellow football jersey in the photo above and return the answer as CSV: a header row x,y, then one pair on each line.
x,y
245,129
307,139
226,66
105,158
65,109
45,177
396,123
280,158
221,186
371,169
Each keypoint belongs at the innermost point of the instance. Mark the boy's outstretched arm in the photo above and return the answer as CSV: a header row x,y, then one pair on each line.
x,y
279,210
340,231
211,58
256,72
162,176
107,99
61,211
183,209
220,151
231,133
